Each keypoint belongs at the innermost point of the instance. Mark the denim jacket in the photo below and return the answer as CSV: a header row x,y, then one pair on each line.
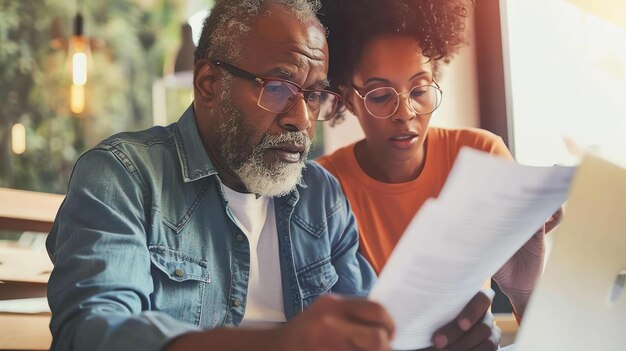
x,y
145,247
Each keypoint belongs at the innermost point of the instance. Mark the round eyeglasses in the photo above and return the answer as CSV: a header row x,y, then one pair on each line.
x,y
279,95
384,102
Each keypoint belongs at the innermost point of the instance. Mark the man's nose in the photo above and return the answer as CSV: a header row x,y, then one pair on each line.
x,y
297,118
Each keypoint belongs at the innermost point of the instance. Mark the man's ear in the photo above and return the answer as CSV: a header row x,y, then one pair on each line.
x,y
205,82
347,94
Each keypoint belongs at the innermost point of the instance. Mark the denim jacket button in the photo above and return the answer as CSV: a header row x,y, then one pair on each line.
x,y
179,272
236,302
239,237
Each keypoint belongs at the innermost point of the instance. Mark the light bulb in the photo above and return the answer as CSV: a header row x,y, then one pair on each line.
x,y
79,68
18,138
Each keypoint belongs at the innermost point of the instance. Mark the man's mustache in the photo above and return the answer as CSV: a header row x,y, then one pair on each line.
x,y
299,138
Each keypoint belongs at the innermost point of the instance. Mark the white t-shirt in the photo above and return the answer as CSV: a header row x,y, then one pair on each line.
x,y
265,292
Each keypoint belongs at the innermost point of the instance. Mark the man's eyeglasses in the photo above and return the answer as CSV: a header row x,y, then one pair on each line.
x,y
383,102
279,95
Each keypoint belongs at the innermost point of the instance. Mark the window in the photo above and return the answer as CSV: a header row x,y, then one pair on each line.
x,y
565,74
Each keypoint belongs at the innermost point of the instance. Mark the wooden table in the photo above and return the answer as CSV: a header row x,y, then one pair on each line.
x,y
28,210
25,332
508,325
24,265
24,273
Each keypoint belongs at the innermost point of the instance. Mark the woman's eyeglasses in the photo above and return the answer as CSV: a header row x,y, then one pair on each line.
x,y
383,102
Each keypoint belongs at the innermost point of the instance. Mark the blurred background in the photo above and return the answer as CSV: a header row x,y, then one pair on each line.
x,y
549,76
48,117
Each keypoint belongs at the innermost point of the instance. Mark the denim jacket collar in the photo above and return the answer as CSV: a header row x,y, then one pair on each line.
x,y
195,163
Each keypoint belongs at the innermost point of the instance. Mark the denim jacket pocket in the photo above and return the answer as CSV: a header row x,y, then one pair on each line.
x,y
179,267
316,280
179,283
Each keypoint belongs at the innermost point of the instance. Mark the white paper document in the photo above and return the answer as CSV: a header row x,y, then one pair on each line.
x,y
488,208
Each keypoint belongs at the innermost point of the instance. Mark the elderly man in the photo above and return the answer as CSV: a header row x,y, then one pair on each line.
x,y
170,236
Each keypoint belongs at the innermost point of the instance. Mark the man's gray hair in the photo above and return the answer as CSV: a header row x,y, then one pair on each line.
x,y
229,21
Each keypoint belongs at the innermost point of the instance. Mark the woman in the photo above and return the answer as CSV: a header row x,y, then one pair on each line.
x,y
385,57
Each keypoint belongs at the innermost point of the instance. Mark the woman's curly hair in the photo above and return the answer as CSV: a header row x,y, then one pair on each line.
x,y
438,26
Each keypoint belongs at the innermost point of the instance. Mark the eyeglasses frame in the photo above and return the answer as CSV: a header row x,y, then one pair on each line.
x,y
262,81
363,97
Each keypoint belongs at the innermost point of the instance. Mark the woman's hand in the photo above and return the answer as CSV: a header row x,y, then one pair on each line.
x,y
472,329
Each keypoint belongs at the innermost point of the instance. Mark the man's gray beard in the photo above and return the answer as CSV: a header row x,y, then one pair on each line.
x,y
246,161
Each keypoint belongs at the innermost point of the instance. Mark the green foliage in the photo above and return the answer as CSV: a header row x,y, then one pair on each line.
x,y
130,40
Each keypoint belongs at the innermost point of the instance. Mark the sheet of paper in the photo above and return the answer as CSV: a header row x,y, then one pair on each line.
x,y
487,210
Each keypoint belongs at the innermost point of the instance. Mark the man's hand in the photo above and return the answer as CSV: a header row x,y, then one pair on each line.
x,y
519,274
335,323
331,323
472,329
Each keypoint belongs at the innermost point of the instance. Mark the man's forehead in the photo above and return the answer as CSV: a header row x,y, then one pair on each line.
x,y
279,32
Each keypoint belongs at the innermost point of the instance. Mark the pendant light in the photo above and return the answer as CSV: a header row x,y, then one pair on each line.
x,y
79,57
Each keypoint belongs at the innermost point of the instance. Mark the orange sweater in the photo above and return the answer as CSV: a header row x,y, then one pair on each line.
x,y
383,211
